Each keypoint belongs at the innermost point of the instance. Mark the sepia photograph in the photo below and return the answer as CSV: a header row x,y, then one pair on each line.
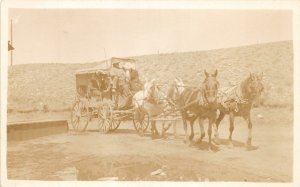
x,y
148,94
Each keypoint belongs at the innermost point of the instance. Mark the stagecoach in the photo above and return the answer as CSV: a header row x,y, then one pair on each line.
x,y
99,98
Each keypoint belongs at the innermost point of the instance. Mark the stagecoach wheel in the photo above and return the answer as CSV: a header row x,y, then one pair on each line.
x,y
140,120
105,118
80,116
115,124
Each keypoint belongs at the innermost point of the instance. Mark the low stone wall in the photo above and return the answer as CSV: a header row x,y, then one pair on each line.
x,y
33,129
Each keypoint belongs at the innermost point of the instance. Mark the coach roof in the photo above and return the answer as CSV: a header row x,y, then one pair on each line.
x,y
105,66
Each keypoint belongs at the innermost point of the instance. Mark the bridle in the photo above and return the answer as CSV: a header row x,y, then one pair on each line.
x,y
213,92
257,91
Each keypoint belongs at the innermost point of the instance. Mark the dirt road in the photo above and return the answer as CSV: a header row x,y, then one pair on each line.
x,y
123,155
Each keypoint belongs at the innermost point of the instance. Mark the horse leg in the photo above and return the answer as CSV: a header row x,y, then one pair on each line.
x,y
248,119
210,123
185,128
165,127
192,131
231,128
174,128
201,121
153,129
216,127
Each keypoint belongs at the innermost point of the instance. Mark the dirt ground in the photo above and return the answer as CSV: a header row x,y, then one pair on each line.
x,y
123,155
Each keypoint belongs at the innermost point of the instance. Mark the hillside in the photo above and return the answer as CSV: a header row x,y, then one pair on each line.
x,y
53,84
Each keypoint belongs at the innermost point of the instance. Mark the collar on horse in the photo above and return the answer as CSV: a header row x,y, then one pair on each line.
x,y
236,97
200,97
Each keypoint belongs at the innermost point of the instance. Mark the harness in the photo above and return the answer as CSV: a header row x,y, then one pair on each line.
x,y
237,98
200,97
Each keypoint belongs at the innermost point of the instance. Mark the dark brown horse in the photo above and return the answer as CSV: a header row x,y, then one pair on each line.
x,y
238,101
200,103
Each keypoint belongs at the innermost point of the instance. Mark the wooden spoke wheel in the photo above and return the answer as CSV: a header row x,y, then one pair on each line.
x,y
80,115
107,122
115,123
140,120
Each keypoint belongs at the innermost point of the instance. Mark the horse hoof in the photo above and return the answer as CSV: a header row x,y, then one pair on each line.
x,y
250,147
217,141
191,138
154,136
199,141
187,141
202,136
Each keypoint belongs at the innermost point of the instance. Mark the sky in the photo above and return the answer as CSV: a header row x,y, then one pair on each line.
x,y
89,35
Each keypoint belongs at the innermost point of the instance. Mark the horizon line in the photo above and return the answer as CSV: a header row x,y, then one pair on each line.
x,y
168,53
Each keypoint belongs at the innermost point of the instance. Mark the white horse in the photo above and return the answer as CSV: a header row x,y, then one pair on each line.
x,y
140,97
155,102
144,102
175,89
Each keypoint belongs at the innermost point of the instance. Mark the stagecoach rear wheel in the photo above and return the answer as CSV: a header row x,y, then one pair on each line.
x,y
104,117
140,120
80,115
107,122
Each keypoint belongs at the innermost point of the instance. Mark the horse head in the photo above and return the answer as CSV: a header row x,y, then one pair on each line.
x,y
254,87
210,87
179,85
176,87
151,91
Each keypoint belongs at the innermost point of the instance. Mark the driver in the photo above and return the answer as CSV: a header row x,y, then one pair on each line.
x,y
118,73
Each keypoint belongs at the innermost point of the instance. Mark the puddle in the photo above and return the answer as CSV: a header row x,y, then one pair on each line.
x,y
97,169
69,174
135,168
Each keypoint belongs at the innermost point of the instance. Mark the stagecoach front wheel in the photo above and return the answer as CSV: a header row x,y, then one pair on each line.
x,y
80,116
140,120
114,124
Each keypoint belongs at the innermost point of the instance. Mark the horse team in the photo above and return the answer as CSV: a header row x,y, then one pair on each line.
x,y
206,101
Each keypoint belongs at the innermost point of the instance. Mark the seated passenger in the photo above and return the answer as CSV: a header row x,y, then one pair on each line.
x,y
92,89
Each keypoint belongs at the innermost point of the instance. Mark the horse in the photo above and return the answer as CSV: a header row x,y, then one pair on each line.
x,y
174,90
200,102
140,97
237,102
154,101
145,101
